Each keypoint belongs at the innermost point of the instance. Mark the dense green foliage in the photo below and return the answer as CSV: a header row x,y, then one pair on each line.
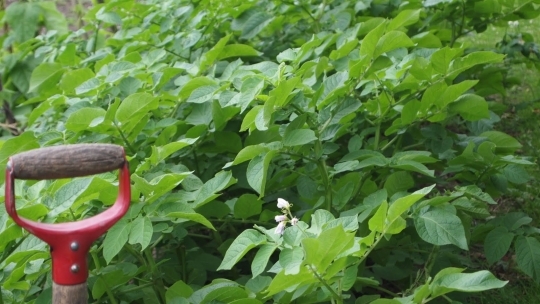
x,y
368,117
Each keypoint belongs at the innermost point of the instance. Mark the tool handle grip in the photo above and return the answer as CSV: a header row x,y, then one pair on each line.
x,y
67,161
70,294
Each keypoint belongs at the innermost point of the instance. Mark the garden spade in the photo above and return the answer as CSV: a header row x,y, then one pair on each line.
x,y
69,242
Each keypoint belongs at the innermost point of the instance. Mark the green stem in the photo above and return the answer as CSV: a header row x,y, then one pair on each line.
x,y
390,143
96,34
335,296
138,287
159,287
125,139
6,254
108,291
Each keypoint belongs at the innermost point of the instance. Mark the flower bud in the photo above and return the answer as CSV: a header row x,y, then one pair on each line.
x,y
281,203
280,218
280,228
294,221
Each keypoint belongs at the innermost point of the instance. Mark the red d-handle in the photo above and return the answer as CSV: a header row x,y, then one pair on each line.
x,y
70,242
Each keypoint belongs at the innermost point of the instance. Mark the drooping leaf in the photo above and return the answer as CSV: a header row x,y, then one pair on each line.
x,y
244,242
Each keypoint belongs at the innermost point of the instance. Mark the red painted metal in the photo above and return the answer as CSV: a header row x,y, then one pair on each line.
x,y
70,242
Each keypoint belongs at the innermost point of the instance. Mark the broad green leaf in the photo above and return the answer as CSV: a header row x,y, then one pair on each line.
x,y
193,84
516,174
299,137
141,231
321,251
471,282
497,243
247,205
178,290
202,94
183,211
257,171
81,119
471,107
462,64
283,90
440,227
391,41
88,86
411,165
247,153
209,190
66,196
255,24
291,259
246,241
211,56
237,50
45,77
72,79
404,18
282,281
258,265
115,239
54,20
377,222
18,12
134,107
505,143
409,113
159,185
161,153
528,256
401,205
368,45
200,295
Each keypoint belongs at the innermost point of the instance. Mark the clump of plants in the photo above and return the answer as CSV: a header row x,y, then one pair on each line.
x,y
364,123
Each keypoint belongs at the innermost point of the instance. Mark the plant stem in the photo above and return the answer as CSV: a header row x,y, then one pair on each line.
x,y
335,296
159,287
95,258
124,138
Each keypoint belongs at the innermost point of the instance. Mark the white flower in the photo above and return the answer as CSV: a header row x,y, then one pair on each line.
x,y
280,218
280,228
281,203
294,221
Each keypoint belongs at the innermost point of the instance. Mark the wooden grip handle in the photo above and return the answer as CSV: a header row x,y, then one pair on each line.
x,y
70,294
67,161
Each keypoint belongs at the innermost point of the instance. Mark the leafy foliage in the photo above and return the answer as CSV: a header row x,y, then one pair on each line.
x,y
370,118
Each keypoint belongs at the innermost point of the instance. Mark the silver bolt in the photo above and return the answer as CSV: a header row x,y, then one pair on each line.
x,y
74,246
74,268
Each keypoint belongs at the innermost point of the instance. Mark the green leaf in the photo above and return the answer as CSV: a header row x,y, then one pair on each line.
x,y
460,65
299,137
255,24
246,241
528,256
72,79
141,231
368,45
210,57
505,143
470,107
16,13
45,77
159,185
257,171
237,50
66,195
135,106
161,153
194,83
404,18
391,41
471,282
321,251
401,205
54,20
516,174
247,153
247,205
291,259
282,281
208,191
440,227
258,265
284,90
81,119
115,239
497,243
183,211
377,222
178,290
